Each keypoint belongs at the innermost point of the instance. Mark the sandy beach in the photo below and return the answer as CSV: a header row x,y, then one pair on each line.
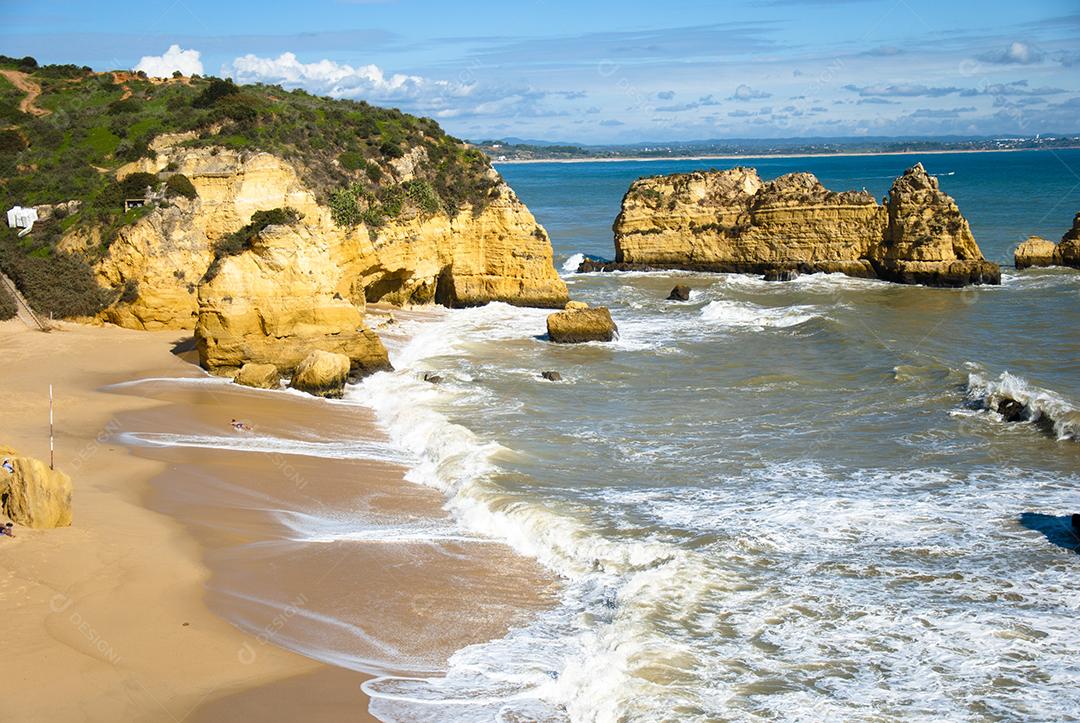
x,y
186,573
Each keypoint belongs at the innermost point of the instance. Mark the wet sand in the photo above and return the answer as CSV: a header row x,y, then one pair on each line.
x,y
189,574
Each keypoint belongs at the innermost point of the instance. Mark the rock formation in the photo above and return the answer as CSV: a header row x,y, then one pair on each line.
x,y
581,325
34,495
322,373
681,292
1035,251
731,221
305,286
258,376
1040,252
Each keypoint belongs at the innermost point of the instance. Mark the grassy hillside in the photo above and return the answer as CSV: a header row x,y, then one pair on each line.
x,y
84,125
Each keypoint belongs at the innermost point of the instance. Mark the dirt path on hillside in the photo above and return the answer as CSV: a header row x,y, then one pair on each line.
x,y
22,81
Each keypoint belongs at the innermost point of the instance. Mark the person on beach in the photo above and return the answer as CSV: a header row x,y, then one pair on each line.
x,y
239,426
7,530
8,465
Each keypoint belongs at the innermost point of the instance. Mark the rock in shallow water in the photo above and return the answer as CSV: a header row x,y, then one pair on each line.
x,y
1011,410
552,376
582,325
781,275
258,376
681,292
322,373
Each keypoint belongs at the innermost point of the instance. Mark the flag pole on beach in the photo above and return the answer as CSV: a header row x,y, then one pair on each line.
x,y
50,428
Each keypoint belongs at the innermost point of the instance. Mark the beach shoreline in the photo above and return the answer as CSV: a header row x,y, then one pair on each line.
x,y
146,608
710,157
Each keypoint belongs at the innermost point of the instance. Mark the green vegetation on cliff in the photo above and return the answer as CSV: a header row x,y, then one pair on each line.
x,y
69,141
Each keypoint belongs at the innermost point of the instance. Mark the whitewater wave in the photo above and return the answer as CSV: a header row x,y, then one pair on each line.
x,y
580,658
336,449
572,263
741,314
1042,407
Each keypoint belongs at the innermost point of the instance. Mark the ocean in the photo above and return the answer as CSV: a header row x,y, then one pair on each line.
x,y
774,500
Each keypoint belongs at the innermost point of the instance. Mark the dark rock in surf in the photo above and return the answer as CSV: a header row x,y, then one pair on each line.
x,y
781,274
552,376
1011,410
681,292
432,378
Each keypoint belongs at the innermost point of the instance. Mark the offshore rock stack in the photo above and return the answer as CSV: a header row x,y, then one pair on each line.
x,y
732,221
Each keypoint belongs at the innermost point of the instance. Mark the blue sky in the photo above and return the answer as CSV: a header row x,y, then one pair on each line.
x,y
599,72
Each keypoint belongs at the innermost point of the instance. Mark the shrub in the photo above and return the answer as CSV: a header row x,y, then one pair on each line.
x,y
390,149
181,185
345,205
423,196
216,90
240,240
11,141
7,305
130,292
134,186
352,161
53,283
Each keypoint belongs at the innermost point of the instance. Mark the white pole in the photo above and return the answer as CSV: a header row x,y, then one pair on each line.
x,y
50,427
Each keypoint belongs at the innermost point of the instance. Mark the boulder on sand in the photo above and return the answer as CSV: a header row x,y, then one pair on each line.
x,y
575,327
322,373
681,292
34,495
259,376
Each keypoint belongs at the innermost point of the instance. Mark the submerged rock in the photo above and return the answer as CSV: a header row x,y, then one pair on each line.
x,y
33,495
1011,410
732,221
322,373
582,325
552,376
681,292
781,275
259,376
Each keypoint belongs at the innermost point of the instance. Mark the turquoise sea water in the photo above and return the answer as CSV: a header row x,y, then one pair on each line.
x,y
773,500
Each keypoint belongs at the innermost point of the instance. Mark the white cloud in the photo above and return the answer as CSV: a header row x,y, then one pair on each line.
x,y
175,58
745,92
1016,54
341,80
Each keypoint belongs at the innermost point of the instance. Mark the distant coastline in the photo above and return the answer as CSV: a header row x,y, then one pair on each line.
x,y
736,157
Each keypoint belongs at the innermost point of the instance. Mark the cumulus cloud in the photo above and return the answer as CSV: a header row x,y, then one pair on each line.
x,y
175,58
745,92
666,94
1016,54
341,80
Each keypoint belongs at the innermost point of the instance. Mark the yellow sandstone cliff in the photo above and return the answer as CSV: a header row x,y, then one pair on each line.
x,y
303,286
1040,252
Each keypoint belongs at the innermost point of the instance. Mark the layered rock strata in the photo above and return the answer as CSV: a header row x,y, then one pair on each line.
x,y
576,326
304,286
732,221
1040,252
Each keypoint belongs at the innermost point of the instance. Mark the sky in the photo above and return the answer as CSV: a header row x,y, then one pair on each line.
x,y
599,71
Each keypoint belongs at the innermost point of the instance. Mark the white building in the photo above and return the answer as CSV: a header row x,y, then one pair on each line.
x,y
24,218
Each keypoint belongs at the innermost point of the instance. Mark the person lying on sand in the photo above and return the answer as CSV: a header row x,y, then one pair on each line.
x,y
7,465
239,426
7,530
